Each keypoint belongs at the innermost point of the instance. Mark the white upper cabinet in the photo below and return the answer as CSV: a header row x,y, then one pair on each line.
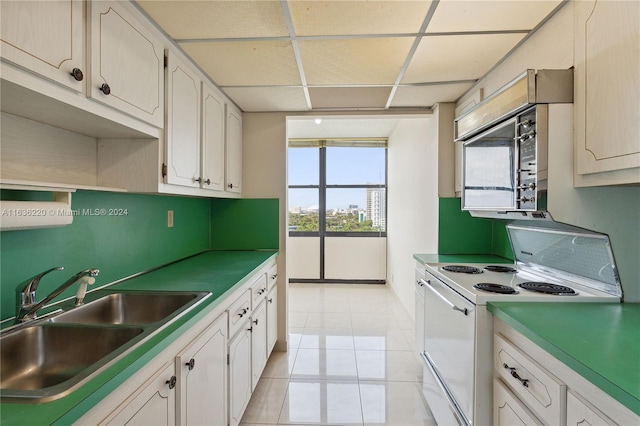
x,y
182,129
607,97
234,150
46,37
127,63
212,139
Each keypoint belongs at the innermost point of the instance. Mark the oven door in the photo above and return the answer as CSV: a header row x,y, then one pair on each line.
x,y
449,345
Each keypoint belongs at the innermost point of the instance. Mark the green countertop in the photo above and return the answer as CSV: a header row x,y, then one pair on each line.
x,y
600,341
219,272
460,258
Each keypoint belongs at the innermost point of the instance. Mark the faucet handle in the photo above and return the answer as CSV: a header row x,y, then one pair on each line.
x,y
27,289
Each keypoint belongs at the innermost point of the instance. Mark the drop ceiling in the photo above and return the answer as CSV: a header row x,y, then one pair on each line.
x,y
270,55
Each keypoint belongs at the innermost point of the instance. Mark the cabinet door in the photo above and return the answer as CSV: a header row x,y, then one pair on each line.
x,y
202,378
607,101
258,342
45,37
580,413
212,139
272,319
239,374
183,124
234,150
508,410
127,63
153,404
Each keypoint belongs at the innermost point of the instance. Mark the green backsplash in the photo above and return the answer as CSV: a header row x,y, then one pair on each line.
x,y
117,245
461,233
241,224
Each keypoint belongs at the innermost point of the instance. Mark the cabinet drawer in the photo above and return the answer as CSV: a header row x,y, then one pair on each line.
x,y
538,389
272,276
508,410
258,290
239,311
580,412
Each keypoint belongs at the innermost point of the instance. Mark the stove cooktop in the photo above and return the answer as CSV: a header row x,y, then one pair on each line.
x,y
502,283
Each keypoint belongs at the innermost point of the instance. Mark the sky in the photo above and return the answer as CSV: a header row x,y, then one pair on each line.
x,y
344,166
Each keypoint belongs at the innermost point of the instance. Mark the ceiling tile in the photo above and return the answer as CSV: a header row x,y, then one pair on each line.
x,y
189,19
426,96
312,18
258,99
349,97
246,63
354,61
459,57
457,15
341,127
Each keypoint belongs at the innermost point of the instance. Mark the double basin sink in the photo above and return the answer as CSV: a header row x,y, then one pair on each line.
x,y
50,357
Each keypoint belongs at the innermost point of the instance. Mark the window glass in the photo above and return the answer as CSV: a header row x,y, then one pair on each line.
x,y
356,210
353,166
303,210
304,166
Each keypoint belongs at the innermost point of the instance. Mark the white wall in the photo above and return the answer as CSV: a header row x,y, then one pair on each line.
x,y
412,203
611,210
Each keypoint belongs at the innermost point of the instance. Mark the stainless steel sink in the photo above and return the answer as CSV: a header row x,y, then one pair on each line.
x,y
129,308
50,357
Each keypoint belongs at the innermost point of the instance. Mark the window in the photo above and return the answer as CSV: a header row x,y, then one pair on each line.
x,y
338,187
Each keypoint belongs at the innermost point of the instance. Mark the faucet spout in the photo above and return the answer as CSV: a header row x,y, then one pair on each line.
x,y
26,291
29,312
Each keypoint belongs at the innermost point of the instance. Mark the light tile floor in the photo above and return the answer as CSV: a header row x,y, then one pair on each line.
x,y
351,361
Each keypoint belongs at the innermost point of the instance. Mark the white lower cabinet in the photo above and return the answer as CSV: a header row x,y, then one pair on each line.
x,y
581,413
507,408
259,353
272,319
239,373
202,378
153,404
525,393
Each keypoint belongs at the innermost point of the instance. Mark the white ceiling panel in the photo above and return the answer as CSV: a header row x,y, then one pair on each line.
x,y
312,18
354,61
460,57
197,19
349,97
259,99
246,63
494,15
426,96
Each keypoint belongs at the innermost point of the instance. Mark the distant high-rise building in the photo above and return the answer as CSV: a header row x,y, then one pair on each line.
x,y
377,207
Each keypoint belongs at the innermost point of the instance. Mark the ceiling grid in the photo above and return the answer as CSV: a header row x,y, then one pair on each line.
x,y
319,55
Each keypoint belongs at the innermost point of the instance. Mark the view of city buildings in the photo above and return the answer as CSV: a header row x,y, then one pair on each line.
x,y
372,218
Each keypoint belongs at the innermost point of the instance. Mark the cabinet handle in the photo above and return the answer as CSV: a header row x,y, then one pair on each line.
x,y
191,364
274,276
250,329
199,180
172,382
261,291
524,382
270,300
255,321
230,186
244,311
77,74
208,181
105,89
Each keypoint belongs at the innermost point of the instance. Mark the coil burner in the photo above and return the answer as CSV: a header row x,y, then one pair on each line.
x,y
462,269
495,288
548,288
499,268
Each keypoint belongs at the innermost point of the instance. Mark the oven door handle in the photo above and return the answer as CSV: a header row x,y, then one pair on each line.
x,y
444,299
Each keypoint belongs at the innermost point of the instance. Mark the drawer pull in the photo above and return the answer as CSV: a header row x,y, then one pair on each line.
x,y
243,313
524,382
274,276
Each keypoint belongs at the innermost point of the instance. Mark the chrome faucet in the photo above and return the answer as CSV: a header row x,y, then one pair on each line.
x,y
27,306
